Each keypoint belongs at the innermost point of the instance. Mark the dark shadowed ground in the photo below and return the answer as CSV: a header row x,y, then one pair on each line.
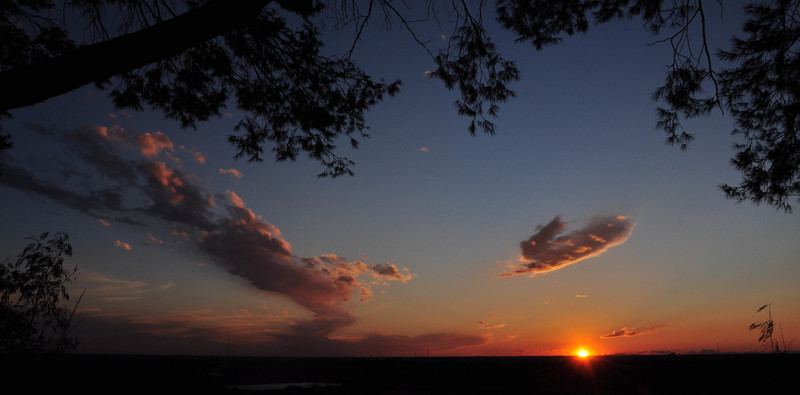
x,y
674,374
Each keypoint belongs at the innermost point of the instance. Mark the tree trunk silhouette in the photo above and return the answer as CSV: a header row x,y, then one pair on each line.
x,y
41,80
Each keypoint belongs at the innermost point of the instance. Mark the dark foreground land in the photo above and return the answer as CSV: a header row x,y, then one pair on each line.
x,y
674,374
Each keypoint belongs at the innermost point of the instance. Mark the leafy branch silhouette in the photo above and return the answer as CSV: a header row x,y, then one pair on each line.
x,y
767,330
33,318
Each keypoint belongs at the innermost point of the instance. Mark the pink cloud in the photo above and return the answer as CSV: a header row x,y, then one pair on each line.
x,y
167,178
549,249
123,245
198,156
235,199
150,145
250,248
154,239
179,233
245,217
176,197
389,271
232,172
246,248
114,133
230,233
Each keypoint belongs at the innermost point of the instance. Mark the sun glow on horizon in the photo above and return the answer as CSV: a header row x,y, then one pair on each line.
x,y
582,353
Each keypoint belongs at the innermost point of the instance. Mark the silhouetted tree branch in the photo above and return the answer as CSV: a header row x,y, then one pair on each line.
x,y
762,93
187,60
100,61
190,58
761,89
32,318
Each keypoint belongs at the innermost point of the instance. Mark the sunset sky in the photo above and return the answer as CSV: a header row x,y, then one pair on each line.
x,y
574,226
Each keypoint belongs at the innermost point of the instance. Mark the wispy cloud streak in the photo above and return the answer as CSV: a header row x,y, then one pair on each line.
x,y
111,289
232,172
629,332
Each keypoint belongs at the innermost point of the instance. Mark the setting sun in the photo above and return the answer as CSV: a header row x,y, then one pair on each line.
x,y
583,353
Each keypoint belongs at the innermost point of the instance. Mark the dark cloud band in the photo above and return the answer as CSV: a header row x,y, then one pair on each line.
x,y
114,165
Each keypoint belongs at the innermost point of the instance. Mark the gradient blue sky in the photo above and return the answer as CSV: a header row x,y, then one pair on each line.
x,y
428,225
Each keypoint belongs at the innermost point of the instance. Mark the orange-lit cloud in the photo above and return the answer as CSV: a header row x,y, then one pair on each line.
x,y
123,245
232,172
245,216
548,249
167,178
629,332
490,325
154,239
175,197
252,249
113,115
180,233
389,271
198,156
365,294
151,144
132,184
113,133
235,199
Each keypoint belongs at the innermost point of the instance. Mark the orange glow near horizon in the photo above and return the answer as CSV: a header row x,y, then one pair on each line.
x,y
582,353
